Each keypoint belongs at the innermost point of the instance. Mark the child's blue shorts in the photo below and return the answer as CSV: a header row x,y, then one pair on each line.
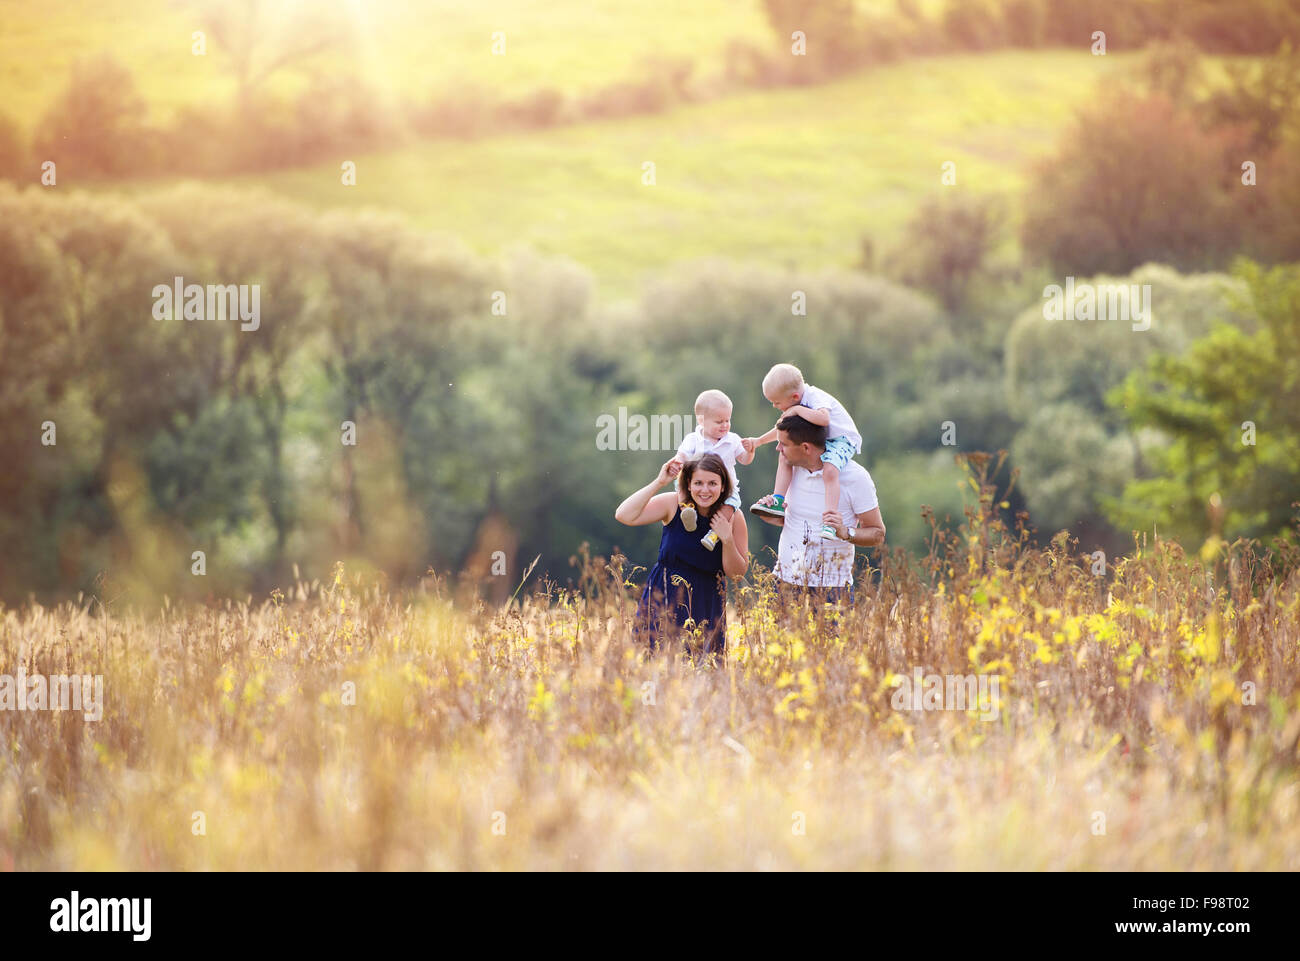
x,y
839,451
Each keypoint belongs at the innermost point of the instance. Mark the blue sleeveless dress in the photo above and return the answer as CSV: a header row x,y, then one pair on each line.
x,y
685,582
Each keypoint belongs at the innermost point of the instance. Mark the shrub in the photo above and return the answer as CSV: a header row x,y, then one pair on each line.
x,y
835,41
747,65
96,127
970,25
945,246
13,152
1134,181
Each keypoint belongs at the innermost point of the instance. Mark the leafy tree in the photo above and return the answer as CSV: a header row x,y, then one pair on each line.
x,y
397,310
1259,96
97,126
1173,68
1073,449
1205,404
13,152
30,375
1252,117
78,347
1068,459
554,482
946,245
973,25
834,40
229,237
263,37
1135,180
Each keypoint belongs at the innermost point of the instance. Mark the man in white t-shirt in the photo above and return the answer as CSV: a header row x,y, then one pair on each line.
x,y
805,559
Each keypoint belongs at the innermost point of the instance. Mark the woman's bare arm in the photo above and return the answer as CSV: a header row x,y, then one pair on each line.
x,y
645,506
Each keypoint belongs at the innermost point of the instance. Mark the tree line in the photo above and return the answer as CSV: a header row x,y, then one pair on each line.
x,y
474,390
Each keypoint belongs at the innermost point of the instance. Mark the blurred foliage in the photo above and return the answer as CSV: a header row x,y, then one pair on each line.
x,y
946,246
97,126
1228,414
1260,95
1155,169
1073,449
1136,181
175,436
475,385
13,153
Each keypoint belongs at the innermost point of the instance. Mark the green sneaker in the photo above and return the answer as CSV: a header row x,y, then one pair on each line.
x,y
771,510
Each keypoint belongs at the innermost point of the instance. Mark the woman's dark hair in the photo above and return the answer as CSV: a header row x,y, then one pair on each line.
x,y
714,465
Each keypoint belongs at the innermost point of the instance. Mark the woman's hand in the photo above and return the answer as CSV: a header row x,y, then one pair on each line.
x,y
645,506
722,527
671,469
734,536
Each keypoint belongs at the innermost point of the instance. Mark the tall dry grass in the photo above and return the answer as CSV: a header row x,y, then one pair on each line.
x,y
536,736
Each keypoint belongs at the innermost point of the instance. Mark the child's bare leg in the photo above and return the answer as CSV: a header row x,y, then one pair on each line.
x,y
783,476
831,481
774,504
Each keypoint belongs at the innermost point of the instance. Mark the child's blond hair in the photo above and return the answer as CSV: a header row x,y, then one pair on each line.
x,y
783,379
711,400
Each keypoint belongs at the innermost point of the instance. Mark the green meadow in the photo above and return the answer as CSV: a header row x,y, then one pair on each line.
x,y
792,177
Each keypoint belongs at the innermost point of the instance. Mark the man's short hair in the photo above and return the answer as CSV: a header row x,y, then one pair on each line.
x,y
803,431
781,380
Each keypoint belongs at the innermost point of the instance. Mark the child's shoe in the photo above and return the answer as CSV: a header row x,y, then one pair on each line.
x,y
689,518
771,510
710,540
828,533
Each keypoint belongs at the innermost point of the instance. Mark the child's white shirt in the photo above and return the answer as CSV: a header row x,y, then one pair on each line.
x,y
841,425
696,445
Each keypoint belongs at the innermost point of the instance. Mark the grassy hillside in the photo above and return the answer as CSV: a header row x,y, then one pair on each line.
x,y
829,162
406,48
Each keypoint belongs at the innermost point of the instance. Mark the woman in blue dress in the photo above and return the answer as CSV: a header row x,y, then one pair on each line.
x,y
686,586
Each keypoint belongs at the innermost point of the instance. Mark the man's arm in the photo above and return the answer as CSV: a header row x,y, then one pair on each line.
x,y
869,529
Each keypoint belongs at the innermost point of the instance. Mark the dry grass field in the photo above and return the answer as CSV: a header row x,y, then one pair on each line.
x,y
1146,720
